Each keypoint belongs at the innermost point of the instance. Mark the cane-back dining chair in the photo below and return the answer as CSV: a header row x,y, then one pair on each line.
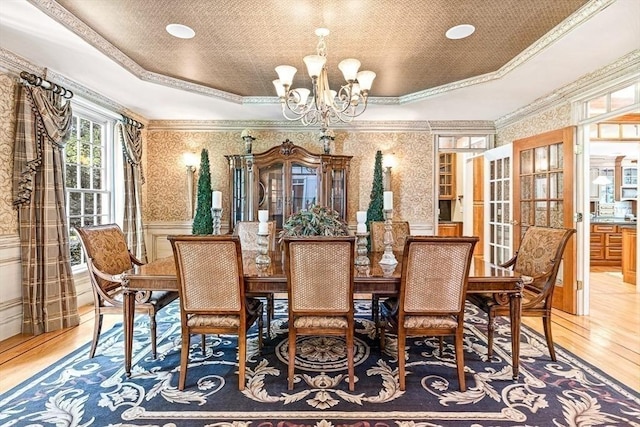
x,y
248,233
212,299
538,261
107,256
401,231
433,286
320,273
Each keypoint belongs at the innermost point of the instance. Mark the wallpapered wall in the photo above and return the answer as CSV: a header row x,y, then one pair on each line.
x,y
412,178
551,119
8,215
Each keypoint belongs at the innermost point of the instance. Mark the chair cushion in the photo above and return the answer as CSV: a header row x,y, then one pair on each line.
x,y
320,322
443,322
213,320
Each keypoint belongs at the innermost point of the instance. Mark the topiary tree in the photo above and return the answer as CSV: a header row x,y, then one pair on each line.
x,y
376,203
203,221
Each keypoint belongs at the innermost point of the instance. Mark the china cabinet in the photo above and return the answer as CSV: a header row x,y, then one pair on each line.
x,y
285,180
447,177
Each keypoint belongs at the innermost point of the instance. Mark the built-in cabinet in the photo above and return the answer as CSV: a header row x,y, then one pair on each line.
x,y
447,177
285,180
606,245
453,229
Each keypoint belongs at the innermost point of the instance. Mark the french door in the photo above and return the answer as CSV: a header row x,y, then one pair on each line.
x,y
498,211
543,193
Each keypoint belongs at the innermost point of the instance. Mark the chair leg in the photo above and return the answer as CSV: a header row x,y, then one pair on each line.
x,y
546,323
242,358
184,358
460,362
401,355
260,331
97,327
350,357
490,329
375,307
441,344
152,324
203,344
292,354
270,312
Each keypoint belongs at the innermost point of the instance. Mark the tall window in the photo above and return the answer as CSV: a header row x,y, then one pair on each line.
x,y
88,156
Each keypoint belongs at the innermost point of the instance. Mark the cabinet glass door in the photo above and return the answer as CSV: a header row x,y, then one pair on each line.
x,y
271,192
304,187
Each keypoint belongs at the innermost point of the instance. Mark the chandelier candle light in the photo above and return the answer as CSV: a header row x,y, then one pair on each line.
x,y
325,106
247,136
216,210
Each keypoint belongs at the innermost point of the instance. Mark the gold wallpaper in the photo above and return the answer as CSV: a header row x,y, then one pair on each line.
x,y
8,215
554,118
412,178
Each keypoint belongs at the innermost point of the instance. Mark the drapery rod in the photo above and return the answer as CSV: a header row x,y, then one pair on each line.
x,y
130,121
34,80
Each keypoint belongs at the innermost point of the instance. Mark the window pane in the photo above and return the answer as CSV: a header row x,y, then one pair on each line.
x,y
85,125
446,142
542,160
88,204
462,142
85,177
97,179
74,203
597,106
97,133
71,176
526,161
609,130
623,97
97,156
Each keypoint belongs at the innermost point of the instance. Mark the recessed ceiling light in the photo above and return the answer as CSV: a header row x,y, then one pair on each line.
x,y
460,31
180,31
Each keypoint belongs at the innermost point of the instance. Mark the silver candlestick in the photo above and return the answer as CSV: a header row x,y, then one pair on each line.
x,y
263,249
217,216
388,257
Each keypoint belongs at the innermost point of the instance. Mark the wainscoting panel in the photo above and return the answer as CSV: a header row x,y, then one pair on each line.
x,y
10,291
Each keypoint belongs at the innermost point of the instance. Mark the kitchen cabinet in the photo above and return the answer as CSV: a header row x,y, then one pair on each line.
x,y
453,229
629,267
285,180
447,176
606,245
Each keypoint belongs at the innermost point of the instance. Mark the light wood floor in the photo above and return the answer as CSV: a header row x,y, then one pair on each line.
x,y
609,338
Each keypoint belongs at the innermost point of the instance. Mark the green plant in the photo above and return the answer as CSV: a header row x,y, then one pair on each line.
x,y
376,203
315,221
203,221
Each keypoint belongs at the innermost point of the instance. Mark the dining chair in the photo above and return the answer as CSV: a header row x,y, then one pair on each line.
x,y
248,233
320,273
401,231
433,286
538,261
108,257
212,299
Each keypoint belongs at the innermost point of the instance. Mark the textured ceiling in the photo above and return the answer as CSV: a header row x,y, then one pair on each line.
x,y
238,43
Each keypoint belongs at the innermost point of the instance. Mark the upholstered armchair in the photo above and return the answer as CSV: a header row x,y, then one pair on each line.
x,y
320,273
538,261
433,286
107,258
212,299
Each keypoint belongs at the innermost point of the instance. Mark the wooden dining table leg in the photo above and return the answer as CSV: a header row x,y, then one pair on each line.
x,y
129,301
515,314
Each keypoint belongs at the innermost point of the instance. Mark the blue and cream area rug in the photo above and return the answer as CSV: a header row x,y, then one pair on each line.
x,y
78,391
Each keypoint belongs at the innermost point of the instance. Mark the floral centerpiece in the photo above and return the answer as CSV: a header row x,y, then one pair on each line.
x,y
315,221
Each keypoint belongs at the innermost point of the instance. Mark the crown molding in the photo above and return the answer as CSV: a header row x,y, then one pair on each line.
x,y
626,67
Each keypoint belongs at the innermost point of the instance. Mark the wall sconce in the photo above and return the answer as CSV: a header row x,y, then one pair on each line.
x,y
247,136
388,162
190,161
326,136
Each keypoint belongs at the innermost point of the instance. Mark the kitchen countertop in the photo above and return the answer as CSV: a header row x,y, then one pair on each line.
x,y
613,221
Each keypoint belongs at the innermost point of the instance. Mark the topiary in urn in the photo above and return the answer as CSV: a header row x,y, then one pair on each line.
x,y
315,221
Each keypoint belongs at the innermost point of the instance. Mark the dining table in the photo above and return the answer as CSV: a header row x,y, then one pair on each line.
x,y
260,278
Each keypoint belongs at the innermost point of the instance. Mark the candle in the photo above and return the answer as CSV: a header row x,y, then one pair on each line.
x,y
216,200
388,200
263,228
361,228
361,217
263,215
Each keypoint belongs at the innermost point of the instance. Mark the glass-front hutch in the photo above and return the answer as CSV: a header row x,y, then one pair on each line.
x,y
285,180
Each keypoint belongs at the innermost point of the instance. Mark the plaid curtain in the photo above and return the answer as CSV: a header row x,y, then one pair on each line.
x,y
131,139
48,292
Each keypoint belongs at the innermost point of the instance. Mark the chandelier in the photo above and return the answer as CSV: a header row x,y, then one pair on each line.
x,y
324,106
